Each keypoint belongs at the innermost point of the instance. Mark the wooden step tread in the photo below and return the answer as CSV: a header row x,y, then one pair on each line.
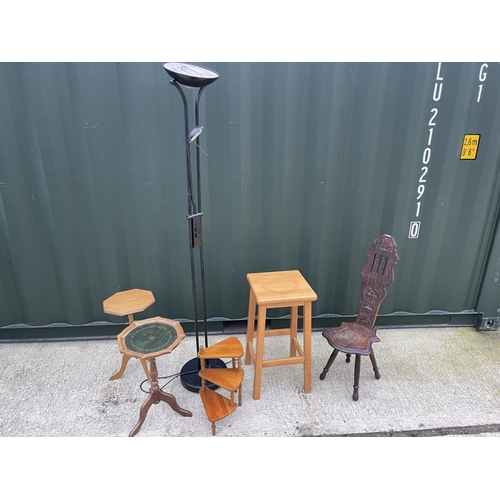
x,y
227,348
216,406
227,378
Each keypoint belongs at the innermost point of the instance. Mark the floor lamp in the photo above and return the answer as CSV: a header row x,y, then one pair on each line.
x,y
197,77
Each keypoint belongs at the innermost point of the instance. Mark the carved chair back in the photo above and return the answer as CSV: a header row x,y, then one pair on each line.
x,y
378,273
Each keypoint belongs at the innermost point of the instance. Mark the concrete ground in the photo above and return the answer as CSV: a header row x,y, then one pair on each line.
x,y
434,382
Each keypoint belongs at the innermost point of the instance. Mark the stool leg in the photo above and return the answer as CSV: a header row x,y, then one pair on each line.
x,y
259,354
239,388
250,328
307,346
294,319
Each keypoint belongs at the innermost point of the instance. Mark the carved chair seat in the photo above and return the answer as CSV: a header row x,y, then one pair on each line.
x,y
351,338
358,337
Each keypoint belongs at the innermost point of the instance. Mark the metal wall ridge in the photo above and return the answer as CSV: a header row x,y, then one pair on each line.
x,y
308,163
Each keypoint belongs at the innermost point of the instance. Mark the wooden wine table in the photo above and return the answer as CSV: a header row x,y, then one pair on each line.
x,y
146,340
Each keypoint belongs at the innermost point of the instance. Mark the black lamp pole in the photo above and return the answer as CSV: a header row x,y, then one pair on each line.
x,y
199,77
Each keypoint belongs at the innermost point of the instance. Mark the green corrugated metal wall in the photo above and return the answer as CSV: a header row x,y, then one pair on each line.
x,y
308,163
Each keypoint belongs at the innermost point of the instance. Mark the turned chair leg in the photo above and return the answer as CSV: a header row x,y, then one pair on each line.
x,y
374,364
347,358
357,366
329,364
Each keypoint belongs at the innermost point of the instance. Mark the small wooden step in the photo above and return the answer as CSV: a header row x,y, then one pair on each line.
x,y
216,406
227,378
227,348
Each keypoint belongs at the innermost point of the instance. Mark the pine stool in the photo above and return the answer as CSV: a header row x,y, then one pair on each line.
x,y
275,290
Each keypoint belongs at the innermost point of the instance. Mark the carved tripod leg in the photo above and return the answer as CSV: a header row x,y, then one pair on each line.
x,y
357,366
374,364
159,395
169,399
329,364
142,415
119,373
155,396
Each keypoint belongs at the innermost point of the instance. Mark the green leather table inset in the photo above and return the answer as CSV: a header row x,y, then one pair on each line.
x,y
149,338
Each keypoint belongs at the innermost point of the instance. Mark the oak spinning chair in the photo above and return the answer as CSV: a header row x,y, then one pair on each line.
x,y
357,337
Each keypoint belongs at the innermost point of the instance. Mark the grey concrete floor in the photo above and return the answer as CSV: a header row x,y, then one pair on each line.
x,y
439,382
434,382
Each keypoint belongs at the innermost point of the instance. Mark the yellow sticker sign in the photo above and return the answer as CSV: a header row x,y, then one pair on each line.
x,y
469,146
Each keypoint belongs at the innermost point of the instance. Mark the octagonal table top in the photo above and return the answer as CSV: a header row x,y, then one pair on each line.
x,y
128,302
150,338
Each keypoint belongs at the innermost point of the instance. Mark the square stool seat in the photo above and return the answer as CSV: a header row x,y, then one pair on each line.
x,y
271,290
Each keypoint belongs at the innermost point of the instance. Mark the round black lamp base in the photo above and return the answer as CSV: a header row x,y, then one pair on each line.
x,y
189,374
